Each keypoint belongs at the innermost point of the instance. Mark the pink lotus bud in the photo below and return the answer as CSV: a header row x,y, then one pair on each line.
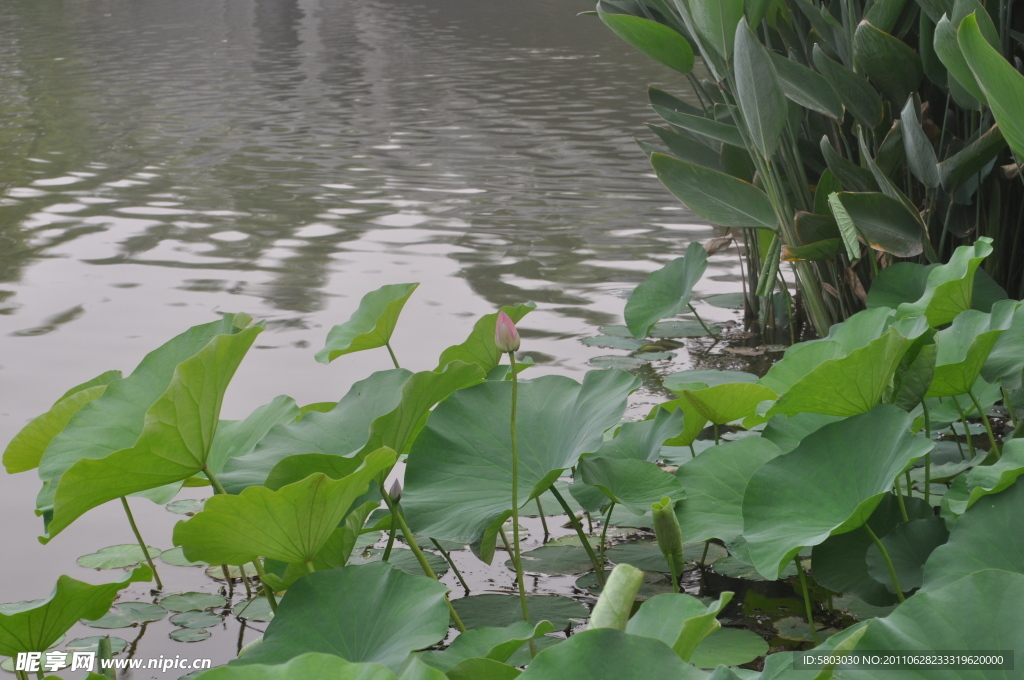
x,y
395,492
506,337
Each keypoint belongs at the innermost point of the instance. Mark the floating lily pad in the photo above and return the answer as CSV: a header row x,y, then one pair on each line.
x,y
617,331
725,300
189,634
613,361
256,609
682,328
91,643
646,555
192,601
216,572
501,610
614,342
655,356
730,647
176,557
403,559
792,628
186,506
193,619
734,567
555,559
117,556
125,614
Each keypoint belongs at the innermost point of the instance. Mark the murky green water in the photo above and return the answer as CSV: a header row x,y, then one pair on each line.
x,y
163,161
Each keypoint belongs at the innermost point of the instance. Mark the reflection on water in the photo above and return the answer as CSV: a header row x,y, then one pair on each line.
x,y
162,161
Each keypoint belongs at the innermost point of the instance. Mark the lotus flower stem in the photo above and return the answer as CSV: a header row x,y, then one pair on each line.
x,y
910,486
967,431
988,425
516,556
807,598
543,521
245,581
268,592
579,532
391,543
888,563
142,544
701,322
227,579
394,359
451,563
504,540
604,531
309,566
396,515
899,499
704,555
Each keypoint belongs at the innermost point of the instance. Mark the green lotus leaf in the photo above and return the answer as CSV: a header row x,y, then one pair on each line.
x,y
362,613
555,560
403,559
291,524
497,644
191,602
302,667
189,634
634,484
787,432
196,619
117,556
987,536
642,440
830,484
961,349
700,379
36,625
1006,360
609,653
558,420
154,428
723,404
474,669
909,544
715,482
236,438
949,288
126,614
647,555
984,480
491,609
730,647
26,449
680,621
666,292
372,324
479,347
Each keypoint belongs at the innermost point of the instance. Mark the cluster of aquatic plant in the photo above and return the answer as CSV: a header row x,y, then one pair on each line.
x,y
874,469
822,124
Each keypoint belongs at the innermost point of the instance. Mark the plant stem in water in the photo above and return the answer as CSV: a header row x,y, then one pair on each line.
x,y
516,559
391,542
1009,407
227,579
245,581
988,425
910,486
451,563
142,544
807,599
899,497
598,567
394,359
267,590
604,531
888,563
927,456
701,321
543,521
967,430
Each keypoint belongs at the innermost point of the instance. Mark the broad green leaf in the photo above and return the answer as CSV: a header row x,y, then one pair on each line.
x,y
1006,361
479,347
830,484
847,228
961,349
700,379
857,95
950,287
884,223
372,324
657,41
885,13
642,440
820,250
609,653
555,560
634,484
920,154
497,644
715,22
236,438
934,9
908,546
362,613
1001,84
472,669
787,432
965,165
758,91
492,609
36,625
913,377
666,292
26,449
173,443
680,621
615,604
729,647
117,556
893,67
723,404
984,480
303,667
125,614
192,602
806,87
290,525
715,196
557,420
715,482
700,125
933,66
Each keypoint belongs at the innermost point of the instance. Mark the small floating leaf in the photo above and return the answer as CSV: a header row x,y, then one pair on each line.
x,y
502,610
189,634
194,619
192,601
117,556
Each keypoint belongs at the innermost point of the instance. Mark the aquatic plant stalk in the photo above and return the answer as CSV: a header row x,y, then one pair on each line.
x,y
910,486
899,498
245,580
598,567
451,563
142,544
543,520
807,598
268,592
227,579
420,557
927,456
516,555
391,542
604,532
701,322
988,425
967,430
394,359
888,563
217,487
1009,406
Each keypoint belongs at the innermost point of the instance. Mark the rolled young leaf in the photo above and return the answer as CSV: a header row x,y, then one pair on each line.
x,y
616,601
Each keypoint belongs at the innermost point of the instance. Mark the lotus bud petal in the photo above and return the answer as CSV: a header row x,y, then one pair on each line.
x,y
395,492
506,337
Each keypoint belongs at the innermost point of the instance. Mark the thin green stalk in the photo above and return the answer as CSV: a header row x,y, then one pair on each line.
x,y
217,488
807,599
701,321
245,581
675,574
451,563
598,567
910,486
927,456
394,359
227,579
888,563
391,542
516,556
267,590
704,555
693,452
1009,406
39,674
21,675
988,425
604,531
543,520
504,541
142,544
899,497
716,433
967,429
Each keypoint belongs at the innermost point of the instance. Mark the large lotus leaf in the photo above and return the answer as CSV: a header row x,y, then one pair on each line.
x,y
642,440
1006,360
730,647
984,480
680,621
714,482
976,614
666,292
362,613
291,524
699,379
35,625
908,547
949,288
787,432
961,349
372,324
116,420
987,536
609,653
657,41
634,484
173,444
492,609
830,484
342,431
856,382
479,347
840,563
723,404
304,667
488,643
905,282
557,420
26,449
236,438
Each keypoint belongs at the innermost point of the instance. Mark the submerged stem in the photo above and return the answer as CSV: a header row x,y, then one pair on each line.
x,y
516,559
598,567
988,425
451,563
888,563
245,581
142,544
807,599
701,321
